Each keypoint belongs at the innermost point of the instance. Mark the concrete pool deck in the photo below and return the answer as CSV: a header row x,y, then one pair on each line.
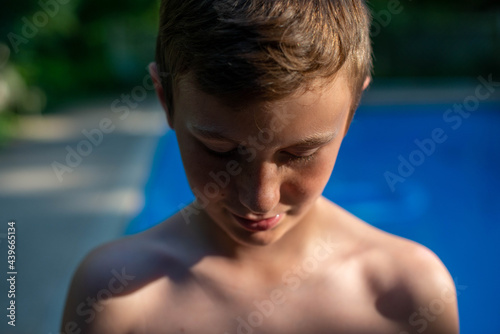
x,y
60,218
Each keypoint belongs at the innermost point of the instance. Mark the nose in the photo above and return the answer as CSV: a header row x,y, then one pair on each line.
x,y
259,187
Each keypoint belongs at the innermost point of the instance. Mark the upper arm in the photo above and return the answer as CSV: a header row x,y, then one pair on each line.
x,y
432,292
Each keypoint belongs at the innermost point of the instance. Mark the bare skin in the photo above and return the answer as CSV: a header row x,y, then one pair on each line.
x,y
319,270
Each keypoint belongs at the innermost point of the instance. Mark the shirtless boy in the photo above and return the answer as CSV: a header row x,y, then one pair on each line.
x,y
260,95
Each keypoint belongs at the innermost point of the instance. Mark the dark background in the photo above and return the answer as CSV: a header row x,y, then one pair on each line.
x,y
95,48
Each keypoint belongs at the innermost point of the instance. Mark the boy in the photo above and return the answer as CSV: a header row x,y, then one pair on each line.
x,y
260,95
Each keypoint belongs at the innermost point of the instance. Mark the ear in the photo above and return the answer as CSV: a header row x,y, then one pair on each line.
x,y
153,70
367,82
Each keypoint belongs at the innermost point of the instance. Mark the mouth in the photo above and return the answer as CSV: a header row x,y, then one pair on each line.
x,y
257,225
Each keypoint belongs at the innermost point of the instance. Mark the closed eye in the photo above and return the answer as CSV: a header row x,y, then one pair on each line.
x,y
222,154
302,157
222,151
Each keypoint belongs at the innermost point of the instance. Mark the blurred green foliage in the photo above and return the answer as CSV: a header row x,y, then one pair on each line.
x,y
95,48
85,49
437,38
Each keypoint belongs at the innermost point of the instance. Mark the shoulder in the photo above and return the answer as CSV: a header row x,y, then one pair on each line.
x,y
109,275
412,286
106,273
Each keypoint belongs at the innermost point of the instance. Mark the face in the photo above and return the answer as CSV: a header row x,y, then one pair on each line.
x,y
258,169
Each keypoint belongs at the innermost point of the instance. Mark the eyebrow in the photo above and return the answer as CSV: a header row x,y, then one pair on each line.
x,y
317,140
209,133
313,140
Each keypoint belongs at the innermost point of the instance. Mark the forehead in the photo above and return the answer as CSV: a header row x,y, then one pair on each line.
x,y
315,110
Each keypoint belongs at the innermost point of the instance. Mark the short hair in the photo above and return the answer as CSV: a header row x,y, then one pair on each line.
x,y
263,49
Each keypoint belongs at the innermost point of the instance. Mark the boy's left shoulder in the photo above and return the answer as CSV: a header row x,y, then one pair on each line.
x,y
409,283
412,285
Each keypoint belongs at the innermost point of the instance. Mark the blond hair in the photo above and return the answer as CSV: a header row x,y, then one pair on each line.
x,y
263,49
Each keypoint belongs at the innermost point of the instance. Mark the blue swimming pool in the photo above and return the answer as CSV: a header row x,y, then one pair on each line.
x,y
412,170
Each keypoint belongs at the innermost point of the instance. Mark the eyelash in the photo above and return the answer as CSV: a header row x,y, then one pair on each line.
x,y
303,158
222,154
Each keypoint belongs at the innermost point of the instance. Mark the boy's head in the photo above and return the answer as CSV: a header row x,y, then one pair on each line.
x,y
263,49
265,90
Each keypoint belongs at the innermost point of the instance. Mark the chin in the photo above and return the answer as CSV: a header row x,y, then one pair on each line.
x,y
256,239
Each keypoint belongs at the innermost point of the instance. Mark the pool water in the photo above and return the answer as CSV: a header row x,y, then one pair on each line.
x,y
445,195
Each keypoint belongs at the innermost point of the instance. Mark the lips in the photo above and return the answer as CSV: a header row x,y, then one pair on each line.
x,y
256,225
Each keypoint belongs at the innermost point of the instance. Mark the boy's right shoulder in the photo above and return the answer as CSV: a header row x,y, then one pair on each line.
x,y
144,255
112,273
129,254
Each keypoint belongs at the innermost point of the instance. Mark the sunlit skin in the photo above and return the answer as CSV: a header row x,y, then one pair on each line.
x,y
318,270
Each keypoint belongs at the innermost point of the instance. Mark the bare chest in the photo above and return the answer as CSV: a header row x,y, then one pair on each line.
x,y
299,305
